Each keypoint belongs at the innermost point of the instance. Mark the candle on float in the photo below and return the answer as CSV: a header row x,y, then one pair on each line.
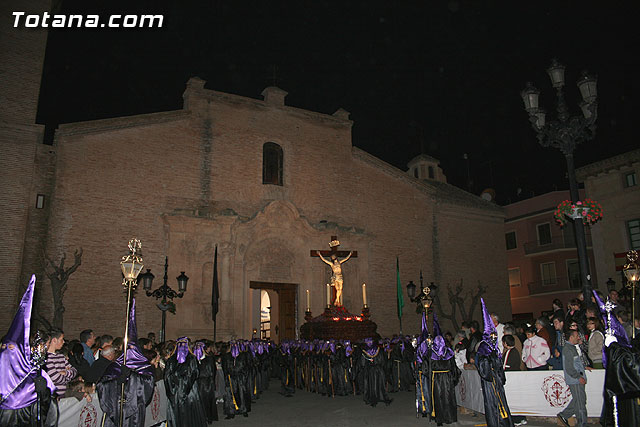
x,y
364,294
328,295
308,301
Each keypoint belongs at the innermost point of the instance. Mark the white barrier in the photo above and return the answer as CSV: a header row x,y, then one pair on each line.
x,y
89,414
535,393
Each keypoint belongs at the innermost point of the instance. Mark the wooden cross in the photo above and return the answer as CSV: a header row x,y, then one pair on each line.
x,y
333,251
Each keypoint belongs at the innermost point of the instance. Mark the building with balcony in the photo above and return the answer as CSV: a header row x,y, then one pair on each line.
x,y
542,257
613,183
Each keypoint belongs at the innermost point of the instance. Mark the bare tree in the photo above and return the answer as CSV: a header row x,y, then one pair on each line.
x,y
58,275
457,299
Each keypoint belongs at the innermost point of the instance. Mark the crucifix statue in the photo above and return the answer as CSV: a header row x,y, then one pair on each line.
x,y
336,266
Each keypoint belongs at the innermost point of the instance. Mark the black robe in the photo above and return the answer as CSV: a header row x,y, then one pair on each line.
x,y
207,387
407,378
496,409
237,399
138,392
443,378
622,380
184,406
287,375
393,366
28,416
373,377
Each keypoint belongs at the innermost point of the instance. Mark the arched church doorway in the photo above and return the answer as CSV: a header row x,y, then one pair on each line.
x,y
282,311
265,315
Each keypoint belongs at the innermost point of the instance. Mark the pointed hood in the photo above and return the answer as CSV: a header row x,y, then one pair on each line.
x,y
136,361
133,325
488,322
16,363
424,334
436,326
489,342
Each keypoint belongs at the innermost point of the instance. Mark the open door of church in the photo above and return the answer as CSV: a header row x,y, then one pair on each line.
x,y
286,307
287,313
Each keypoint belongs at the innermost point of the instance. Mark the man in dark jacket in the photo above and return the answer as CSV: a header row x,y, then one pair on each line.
x,y
95,372
474,339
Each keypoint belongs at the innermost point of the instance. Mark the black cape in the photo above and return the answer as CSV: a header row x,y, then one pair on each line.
x,y
207,387
138,392
237,398
622,380
373,377
443,378
184,406
28,416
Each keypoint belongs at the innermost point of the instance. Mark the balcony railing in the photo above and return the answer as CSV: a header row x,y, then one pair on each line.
x,y
554,284
559,242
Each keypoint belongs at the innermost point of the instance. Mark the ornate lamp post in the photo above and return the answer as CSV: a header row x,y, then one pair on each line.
x,y
632,272
131,265
424,299
565,134
164,292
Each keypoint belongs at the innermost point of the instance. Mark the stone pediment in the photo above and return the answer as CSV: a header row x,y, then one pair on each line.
x,y
280,216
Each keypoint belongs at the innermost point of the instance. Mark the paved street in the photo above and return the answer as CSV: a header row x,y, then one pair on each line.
x,y
308,409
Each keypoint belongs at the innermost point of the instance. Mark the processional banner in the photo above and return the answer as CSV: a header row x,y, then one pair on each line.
x,y
534,393
74,413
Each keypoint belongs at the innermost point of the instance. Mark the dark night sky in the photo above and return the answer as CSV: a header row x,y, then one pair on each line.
x,y
443,75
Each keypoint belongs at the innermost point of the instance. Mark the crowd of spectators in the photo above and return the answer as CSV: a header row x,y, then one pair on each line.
x,y
538,343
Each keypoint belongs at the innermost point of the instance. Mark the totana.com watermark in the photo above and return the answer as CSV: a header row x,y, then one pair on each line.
x,y
46,20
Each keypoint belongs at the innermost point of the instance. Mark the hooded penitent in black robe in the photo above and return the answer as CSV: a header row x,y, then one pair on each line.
x,y
25,390
287,376
496,409
373,376
207,387
358,369
393,356
184,406
237,399
407,379
138,392
137,374
443,377
623,381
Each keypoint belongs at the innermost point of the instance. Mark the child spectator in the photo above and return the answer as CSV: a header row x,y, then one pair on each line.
x,y
535,351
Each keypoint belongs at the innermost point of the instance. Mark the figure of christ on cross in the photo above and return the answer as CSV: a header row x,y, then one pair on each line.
x,y
336,266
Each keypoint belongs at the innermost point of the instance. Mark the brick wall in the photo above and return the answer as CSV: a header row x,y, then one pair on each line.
x,y
21,61
184,181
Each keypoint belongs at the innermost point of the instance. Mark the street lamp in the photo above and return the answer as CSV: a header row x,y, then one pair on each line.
x,y
131,266
424,299
565,134
632,272
164,292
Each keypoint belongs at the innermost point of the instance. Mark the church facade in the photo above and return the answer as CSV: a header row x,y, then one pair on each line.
x,y
266,183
